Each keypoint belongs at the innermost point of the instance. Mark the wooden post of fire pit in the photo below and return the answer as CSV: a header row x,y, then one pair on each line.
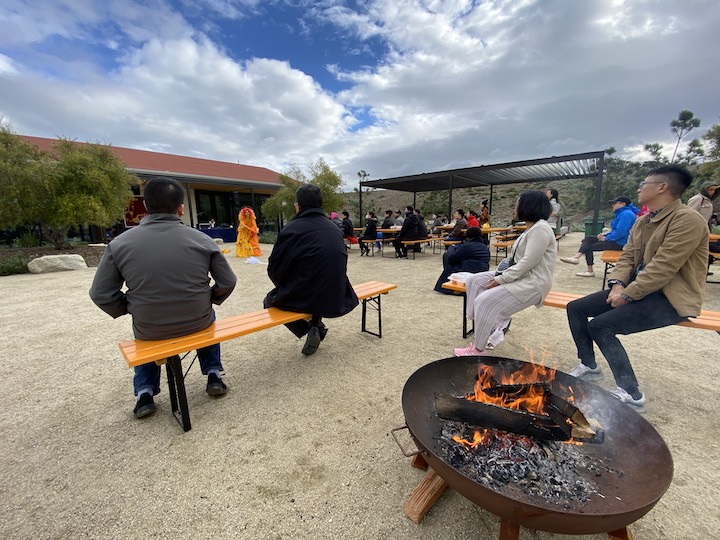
x,y
424,496
509,530
620,534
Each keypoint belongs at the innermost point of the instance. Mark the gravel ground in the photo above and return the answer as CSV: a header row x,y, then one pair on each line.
x,y
300,447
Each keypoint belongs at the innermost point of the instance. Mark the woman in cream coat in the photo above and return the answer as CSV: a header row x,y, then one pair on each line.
x,y
492,298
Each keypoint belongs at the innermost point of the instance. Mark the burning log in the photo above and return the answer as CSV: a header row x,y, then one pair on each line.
x,y
556,420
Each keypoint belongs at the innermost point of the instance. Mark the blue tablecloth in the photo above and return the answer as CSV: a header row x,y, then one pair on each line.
x,y
228,235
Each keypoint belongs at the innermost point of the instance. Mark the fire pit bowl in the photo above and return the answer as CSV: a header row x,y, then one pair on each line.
x,y
632,447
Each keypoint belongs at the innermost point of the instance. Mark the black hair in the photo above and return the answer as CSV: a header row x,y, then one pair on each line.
x,y
388,212
533,205
677,177
308,196
409,209
461,212
371,213
163,196
473,213
555,194
345,213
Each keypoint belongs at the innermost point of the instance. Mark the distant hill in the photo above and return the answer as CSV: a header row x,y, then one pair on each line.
x,y
573,196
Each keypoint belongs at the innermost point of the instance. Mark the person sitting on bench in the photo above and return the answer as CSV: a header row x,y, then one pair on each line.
x,y
472,255
165,265
658,281
308,266
625,214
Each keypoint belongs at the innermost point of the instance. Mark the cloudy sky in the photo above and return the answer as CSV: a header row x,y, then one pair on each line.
x,y
391,87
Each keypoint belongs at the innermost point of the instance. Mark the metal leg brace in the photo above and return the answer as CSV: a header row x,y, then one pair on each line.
x,y
374,303
176,388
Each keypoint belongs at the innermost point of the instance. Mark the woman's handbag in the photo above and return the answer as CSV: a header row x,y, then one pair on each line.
x,y
506,263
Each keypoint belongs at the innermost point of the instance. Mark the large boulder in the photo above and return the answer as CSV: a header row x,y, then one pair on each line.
x,y
56,263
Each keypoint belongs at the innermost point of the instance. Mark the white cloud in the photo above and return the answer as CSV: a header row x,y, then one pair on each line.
x,y
457,82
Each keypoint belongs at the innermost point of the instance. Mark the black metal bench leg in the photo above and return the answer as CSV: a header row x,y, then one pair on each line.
x,y
375,304
176,387
466,332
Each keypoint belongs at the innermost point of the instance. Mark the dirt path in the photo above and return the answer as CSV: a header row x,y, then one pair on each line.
x,y
300,447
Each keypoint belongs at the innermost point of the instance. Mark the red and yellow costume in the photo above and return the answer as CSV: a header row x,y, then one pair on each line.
x,y
247,243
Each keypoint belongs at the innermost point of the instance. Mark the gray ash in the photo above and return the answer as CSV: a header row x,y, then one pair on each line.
x,y
557,472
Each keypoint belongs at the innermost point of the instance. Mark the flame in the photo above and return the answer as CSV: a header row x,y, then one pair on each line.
x,y
479,437
531,399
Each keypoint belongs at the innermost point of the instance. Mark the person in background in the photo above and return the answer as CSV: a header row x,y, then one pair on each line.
x,y
308,266
159,272
554,197
409,231
472,219
472,255
348,229
493,298
484,216
625,214
389,221
336,220
703,201
460,225
370,233
658,281
399,220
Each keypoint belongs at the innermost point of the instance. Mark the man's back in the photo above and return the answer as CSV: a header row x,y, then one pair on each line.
x,y
308,266
165,265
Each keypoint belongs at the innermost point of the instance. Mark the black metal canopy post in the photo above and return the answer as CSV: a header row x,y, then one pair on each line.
x,y
598,191
450,212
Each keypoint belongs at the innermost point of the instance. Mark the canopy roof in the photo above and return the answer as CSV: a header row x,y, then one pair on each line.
x,y
575,166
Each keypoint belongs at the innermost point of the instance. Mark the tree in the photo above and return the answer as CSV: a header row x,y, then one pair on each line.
x,y
685,123
695,151
709,171
655,150
69,185
320,174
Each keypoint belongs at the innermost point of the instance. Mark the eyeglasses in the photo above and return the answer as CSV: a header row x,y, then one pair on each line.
x,y
644,182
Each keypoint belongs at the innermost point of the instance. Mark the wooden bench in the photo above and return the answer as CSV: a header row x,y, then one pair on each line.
x,y
502,246
444,243
610,257
707,320
428,240
167,351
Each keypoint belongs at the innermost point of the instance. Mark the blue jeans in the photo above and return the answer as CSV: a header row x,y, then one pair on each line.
x,y
653,311
147,376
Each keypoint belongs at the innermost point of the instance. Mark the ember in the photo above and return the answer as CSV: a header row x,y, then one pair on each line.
x,y
557,472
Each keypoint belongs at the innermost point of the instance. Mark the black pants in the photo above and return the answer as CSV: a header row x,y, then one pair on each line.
x,y
653,311
591,243
302,327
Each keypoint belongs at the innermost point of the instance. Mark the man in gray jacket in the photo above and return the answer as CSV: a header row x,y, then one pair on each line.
x,y
165,266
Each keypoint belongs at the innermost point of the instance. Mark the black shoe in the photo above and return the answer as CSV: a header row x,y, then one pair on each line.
x,y
145,406
312,342
215,386
323,331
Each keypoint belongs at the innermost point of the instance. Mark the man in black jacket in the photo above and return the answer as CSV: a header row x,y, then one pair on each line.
x,y
409,231
308,267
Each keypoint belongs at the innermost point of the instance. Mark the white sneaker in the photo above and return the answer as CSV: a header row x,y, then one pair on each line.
x,y
587,373
623,396
570,260
586,274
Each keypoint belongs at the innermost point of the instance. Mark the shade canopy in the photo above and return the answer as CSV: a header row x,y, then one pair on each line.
x,y
569,167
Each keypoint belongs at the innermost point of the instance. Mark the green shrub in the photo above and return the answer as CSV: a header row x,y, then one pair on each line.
x,y
27,240
267,238
16,264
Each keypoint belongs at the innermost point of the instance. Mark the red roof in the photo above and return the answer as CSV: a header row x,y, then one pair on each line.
x,y
142,160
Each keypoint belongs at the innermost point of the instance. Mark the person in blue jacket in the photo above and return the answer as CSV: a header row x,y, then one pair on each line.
x,y
472,255
625,214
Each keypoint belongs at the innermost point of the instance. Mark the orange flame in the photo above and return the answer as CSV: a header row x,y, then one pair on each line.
x,y
531,400
478,438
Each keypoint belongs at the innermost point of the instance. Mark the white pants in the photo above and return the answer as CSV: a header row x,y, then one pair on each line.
x,y
490,308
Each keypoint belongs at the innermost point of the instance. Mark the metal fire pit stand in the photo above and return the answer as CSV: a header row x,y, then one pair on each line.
x,y
433,486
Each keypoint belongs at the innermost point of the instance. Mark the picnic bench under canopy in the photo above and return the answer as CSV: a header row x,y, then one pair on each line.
x,y
570,167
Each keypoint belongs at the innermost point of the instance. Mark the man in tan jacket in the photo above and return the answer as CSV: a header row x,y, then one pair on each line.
x,y
658,281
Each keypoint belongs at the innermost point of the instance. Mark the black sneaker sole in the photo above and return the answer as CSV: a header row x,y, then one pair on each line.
x,y
145,410
216,389
311,343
